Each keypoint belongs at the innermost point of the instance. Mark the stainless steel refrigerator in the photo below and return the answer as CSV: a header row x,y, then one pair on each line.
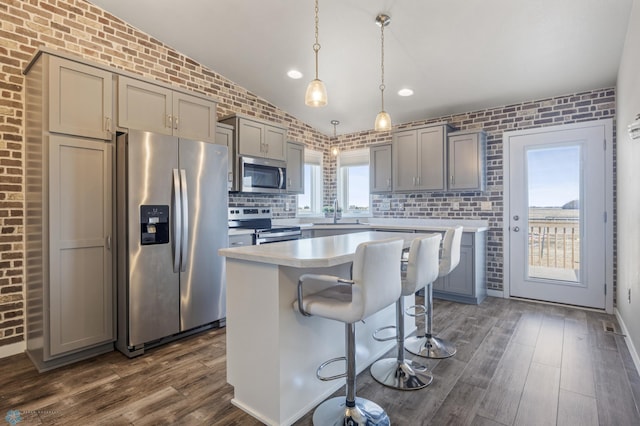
x,y
172,219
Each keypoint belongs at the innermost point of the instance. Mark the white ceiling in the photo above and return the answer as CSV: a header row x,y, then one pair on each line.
x,y
457,55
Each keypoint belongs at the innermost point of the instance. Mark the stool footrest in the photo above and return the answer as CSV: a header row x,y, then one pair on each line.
x,y
384,339
326,363
419,310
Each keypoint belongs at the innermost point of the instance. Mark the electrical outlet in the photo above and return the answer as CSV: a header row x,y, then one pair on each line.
x,y
485,205
385,206
455,205
286,207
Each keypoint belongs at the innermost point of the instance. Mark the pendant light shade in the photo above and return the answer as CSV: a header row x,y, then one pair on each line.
x,y
383,119
316,95
383,122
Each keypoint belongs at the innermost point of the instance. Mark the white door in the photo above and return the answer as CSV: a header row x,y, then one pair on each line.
x,y
557,199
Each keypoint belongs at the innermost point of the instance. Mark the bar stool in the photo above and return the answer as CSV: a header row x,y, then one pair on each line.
x,y
375,284
424,344
422,268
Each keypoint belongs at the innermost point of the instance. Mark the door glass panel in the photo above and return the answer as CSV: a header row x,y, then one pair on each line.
x,y
554,223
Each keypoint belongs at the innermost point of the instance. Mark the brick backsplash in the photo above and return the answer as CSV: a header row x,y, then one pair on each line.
x,y
80,28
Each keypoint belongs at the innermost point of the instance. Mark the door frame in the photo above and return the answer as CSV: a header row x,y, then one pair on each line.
x,y
609,187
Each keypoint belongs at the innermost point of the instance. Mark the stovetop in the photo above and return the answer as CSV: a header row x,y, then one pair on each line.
x,y
257,218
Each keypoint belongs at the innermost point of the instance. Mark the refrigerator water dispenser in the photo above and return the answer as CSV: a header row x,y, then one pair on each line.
x,y
154,224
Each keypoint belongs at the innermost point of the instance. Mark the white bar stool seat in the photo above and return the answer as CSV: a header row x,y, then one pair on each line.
x,y
375,284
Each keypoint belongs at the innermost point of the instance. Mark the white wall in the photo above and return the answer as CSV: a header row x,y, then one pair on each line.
x,y
628,163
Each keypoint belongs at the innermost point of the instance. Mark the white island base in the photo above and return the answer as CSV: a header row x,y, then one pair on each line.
x,y
273,351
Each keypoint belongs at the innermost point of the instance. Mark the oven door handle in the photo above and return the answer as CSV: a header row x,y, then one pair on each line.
x,y
271,235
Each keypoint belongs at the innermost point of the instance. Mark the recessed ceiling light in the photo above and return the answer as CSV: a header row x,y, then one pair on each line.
x,y
405,92
295,74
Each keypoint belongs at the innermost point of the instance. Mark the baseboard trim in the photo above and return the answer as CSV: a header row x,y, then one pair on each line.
x,y
495,293
12,349
632,348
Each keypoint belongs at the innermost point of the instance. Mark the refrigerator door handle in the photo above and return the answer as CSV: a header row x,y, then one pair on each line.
x,y
185,221
177,220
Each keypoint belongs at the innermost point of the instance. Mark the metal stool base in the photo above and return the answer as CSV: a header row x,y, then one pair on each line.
x,y
401,375
430,347
334,412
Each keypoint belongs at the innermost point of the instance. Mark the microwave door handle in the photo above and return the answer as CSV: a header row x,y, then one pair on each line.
x,y
177,221
283,184
184,251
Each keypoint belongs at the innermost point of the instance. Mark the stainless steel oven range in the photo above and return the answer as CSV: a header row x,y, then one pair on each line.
x,y
259,219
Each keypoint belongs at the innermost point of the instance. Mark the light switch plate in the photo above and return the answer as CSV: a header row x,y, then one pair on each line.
x,y
485,205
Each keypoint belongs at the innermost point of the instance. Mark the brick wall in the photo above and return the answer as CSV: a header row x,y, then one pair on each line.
x,y
85,30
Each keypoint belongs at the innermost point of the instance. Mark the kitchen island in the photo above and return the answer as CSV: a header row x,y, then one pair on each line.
x,y
273,351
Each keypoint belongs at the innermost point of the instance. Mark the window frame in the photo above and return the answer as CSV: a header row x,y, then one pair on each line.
x,y
356,157
316,184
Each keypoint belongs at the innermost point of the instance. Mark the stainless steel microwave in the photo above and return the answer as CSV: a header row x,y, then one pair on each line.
x,y
262,175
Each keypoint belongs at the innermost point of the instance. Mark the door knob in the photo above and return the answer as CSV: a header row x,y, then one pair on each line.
x,y
516,229
516,217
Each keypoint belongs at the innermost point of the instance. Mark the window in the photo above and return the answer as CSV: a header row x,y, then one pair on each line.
x,y
310,203
353,182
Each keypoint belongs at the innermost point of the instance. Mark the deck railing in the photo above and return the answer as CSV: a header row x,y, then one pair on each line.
x,y
554,242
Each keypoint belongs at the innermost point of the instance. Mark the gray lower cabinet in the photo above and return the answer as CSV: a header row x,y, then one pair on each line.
x,y
467,282
332,232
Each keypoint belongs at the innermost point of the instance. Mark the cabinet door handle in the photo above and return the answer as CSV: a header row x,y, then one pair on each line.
x,y
389,183
230,176
267,145
107,124
109,242
175,122
451,180
169,122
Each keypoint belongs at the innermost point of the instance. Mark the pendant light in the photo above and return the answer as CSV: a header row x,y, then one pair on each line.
x,y
383,120
334,149
316,95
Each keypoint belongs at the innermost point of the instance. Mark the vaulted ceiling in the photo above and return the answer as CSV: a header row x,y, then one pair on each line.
x,y
456,55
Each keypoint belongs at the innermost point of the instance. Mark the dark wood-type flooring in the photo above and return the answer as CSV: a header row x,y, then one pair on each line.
x,y
518,363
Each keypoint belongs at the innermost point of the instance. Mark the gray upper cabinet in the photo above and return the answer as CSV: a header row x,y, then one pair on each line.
x,y
146,106
380,168
224,136
467,160
258,139
418,159
295,168
80,98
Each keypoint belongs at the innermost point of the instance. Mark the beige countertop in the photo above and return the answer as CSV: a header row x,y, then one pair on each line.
x,y
390,224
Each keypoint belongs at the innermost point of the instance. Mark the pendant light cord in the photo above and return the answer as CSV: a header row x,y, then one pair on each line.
x,y
316,45
382,86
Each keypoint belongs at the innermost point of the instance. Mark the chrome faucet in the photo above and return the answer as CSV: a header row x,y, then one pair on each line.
x,y
335,211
